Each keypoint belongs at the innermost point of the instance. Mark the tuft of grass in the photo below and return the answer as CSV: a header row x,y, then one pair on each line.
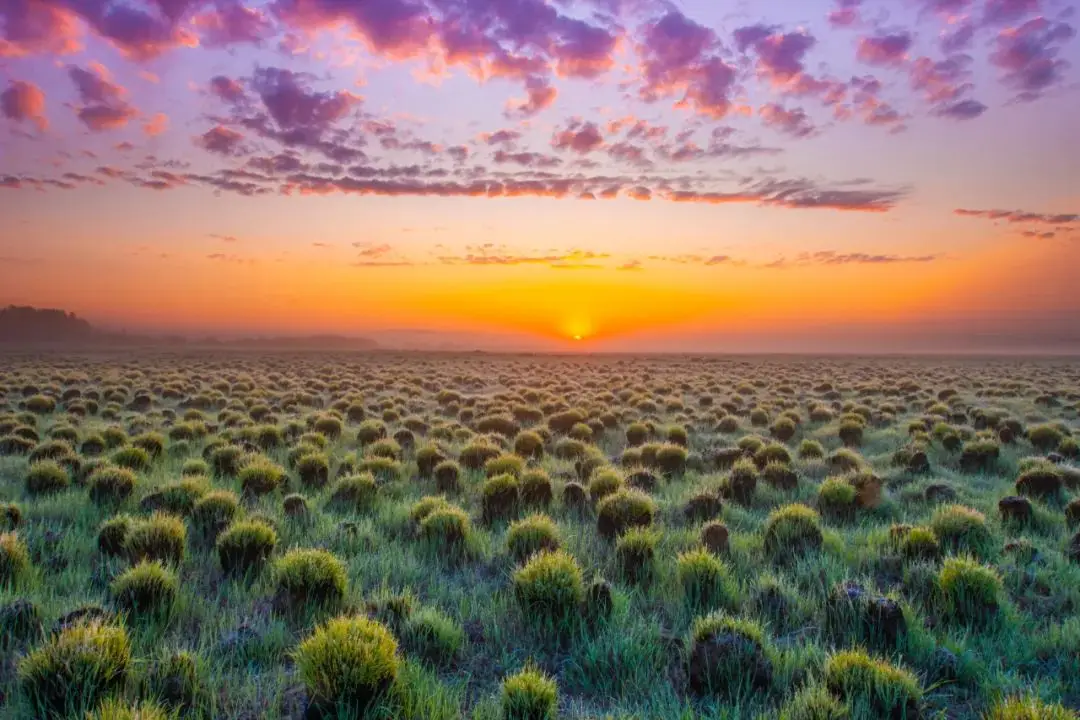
x,y
531,535
74,670
792,531
962,529
309,578
705,580
549,588
529,695
348,664
873,685
972,591
14,560
1029,708
149,589
245,546
622,510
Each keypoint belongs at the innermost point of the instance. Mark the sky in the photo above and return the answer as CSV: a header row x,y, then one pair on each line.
x,y
722,175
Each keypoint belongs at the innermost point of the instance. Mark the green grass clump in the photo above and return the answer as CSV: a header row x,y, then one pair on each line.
x,y
313,469
111,484
920,543
536,490
46,477
499,497
227,460
814,703
114,709
261,476
728,656
446,528
1045,437
549,587
873,686
147,589
74,670
20,622
1029,708
962,529
972,591
530,535
529,444
448,476
14,560
705,580
671,458
433,635
213,512
195,467
792,531
178,498
504,465
354,493
133,458
112,535
348,664
529,695
159,537
622,510
837,497
314,578
635,553
245,546
604,482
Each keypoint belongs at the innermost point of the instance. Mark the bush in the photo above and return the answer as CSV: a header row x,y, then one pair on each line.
x,y
313,469
531,535
851,433
811,450
920,543
705,579
635,553
446,528
161,537
348,664
742,482
549,588
836,497
448,476
728,656
529,444
113,534
214,511
623,510
499,497
314,578
148,588
1045,437
432,635
504,465
671,459
227,460
1040,481
245,546
960,528
792,531
875,685
972,592
46,477
111,484
536,489
428,458
529,695
132,458
195,467
1029,708
74,670
814,703
475,454
261,476
14,560
354,493
604,482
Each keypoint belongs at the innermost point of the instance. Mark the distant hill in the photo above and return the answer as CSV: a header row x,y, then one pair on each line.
x,y
29,324
24,325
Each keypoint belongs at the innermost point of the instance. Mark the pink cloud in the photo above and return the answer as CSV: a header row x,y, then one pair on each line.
x,y
885,50
24,102
104,106
156,125
579,137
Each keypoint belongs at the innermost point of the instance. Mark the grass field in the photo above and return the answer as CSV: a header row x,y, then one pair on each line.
x,y
473,536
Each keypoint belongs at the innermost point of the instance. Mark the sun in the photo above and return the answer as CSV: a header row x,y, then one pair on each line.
x,y
577,337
